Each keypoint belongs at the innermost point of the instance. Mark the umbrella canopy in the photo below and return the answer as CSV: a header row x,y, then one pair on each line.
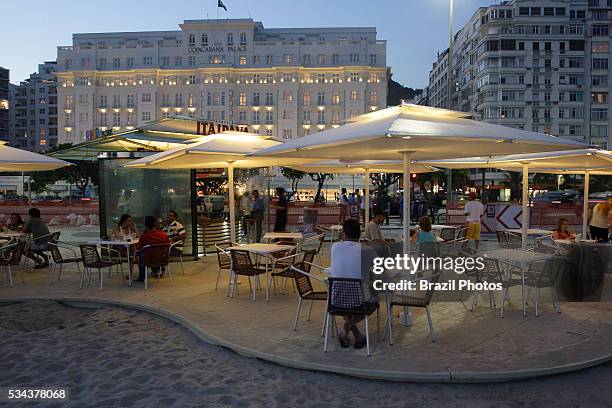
x,y
414,132
12,159
581,161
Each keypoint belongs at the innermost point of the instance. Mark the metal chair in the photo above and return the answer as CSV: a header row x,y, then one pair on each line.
x,y
10,255
154,256
302,276
319,239
59,259
515,241
52,236
544,274
408,299
346,298
281,265
502,239
176,251
242,265
448,233
92,260
545,245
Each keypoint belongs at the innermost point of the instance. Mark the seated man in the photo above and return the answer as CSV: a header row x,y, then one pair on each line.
x,y
349,259
176,232
40,237
372,230
151,236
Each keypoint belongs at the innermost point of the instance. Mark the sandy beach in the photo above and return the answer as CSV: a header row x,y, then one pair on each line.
x,y
113,357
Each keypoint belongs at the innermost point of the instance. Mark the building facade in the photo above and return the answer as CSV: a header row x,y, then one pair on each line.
x,y
4,104
34,110
282,82
536,65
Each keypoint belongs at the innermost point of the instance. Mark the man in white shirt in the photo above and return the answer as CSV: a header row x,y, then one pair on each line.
x,y
350,259
365,201
474,210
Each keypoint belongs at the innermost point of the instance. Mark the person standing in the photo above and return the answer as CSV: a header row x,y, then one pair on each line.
x,y
257,213
474,210
281,205
598,224
344,205
365,201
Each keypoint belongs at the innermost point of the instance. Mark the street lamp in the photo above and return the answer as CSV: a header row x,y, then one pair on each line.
x,y
449,172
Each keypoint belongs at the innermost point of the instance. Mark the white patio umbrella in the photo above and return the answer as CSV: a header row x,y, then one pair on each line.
x,y
12,159
223,150
365,167
582,161
412,132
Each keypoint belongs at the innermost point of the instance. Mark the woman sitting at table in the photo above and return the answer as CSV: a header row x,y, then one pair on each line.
x,y
561,232
424,233
15,222
126,228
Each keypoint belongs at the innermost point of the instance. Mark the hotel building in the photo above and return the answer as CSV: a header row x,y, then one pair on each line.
x,y
284,82
536,65
4,104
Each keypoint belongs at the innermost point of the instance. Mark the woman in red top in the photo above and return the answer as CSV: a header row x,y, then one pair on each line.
x,y
561,232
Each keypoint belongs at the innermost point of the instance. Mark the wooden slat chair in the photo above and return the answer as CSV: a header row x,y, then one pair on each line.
x,y
154,256
10,256
302,278
92,260
242,265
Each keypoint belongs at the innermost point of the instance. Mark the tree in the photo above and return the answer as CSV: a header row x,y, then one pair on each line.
x,y
241,176
293,175
545,181
383,181
320,178
81,173
513,181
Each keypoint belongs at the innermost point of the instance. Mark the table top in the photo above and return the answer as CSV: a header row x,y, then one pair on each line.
x,y
569,241
258,248
437,226
517,255
336,227
531,231
134,241
281,235
13,234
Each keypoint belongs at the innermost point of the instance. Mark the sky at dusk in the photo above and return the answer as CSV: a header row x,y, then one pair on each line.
x,y
414,29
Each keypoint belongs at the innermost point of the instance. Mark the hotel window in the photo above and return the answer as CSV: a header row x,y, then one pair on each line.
x,y
321,117
129,62
288,58
335,78
116,101
354,57
178,61
335,59
116,118
190,100
373,59
306,59
68,64
335,98
242,117
192,60
103,119
374,77
599,80
599,46
116,62
354,95
576,113
203,39
68,102
191,79
178,100
102,63
287,77
130,101
335,117
599,63
599,97
165,100
242,99
191,39
256,117
287,96
269,99
165,114
599,131
320,78
130,118
269,78
321,98
307,117
256,59
269,118
535,29
85,62
217,59
146,116
165,61
256,79
269,59
599,114
146,97
287,114
354,77
242,60
373,99
103,101
83,117
243,39
255,98
83,99
230,39
307,100
600,30
147,60
321,59
307,77
287,133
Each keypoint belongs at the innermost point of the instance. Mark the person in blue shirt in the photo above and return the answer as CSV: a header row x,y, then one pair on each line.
x,y
424,233
257,213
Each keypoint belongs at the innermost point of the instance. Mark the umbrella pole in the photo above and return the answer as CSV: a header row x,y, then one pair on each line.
x,y
232,206
366,197
585,204
525,217
406,209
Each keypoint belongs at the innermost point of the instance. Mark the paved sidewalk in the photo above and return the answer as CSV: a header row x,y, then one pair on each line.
x,y
471,346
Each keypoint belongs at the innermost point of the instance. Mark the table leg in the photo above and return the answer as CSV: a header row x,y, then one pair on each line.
x,y
523,290
267,284
129,262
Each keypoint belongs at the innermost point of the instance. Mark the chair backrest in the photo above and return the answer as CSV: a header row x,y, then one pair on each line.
x,y
12,253
429,249
447,233
515,241
156,255
344,294
545,245
224,260
90,255
432,277
452,248
241,261
55,252
502,239
302,282
491,270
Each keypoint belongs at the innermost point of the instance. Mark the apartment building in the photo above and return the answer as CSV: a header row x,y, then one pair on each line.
x,y
33,114
284,82
4,104
534,65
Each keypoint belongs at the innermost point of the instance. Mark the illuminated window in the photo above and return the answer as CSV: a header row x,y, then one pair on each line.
x,y
242,99
243,60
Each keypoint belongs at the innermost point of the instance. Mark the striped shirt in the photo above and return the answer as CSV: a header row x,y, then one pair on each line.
x,y
175,230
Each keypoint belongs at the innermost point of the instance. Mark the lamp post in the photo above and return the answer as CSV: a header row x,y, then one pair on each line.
x,y
449,172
